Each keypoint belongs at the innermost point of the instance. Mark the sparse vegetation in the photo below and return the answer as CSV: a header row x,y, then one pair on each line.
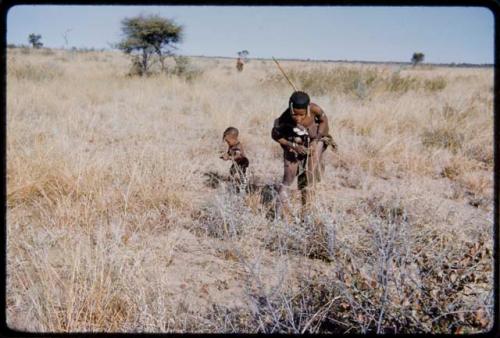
x,y
120,217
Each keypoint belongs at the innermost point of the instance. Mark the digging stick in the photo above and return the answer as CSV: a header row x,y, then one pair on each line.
x,y
283,72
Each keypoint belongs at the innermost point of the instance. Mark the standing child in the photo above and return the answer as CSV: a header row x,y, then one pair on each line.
x,y
236,154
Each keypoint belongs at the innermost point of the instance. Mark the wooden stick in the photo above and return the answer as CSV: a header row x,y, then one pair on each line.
x,y
283,72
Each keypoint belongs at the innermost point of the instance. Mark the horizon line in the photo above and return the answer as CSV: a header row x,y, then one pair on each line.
x,y
107,49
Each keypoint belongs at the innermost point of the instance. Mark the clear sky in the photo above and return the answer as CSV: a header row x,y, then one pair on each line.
x,y
443,34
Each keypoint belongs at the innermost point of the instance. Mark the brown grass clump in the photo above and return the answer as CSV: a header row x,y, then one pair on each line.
x,y
122,218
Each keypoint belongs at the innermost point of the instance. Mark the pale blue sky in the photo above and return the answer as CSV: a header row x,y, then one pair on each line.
x,y
443,34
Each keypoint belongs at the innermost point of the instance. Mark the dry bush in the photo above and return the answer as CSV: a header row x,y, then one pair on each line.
x,y
184,69
401,84
443,138
436,84
397,276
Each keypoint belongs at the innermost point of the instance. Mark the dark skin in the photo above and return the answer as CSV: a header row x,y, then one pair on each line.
x,y
236,154
315,150
239,65
231,140
300,117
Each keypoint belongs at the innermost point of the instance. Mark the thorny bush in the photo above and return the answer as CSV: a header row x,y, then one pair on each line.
x,y
398,275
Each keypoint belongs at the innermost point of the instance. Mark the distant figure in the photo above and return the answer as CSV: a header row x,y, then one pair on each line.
x,y
302,132
239,64
236,154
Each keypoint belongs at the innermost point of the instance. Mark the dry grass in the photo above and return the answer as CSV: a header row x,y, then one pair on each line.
x,y
117,220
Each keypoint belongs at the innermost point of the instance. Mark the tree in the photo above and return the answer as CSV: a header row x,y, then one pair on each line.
x,y
417,58
243,54
34,39
145,36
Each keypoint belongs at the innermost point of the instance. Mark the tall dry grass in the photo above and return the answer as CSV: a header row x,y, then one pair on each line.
x,y
116,220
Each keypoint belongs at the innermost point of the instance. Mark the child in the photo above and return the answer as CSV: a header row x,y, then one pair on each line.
x,y
236,154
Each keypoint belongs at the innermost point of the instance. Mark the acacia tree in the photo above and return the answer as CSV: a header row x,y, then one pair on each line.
x,y
145,36
417,58
34,39
243,54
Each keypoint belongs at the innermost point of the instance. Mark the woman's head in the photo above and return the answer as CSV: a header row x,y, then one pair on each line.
x,y
299,106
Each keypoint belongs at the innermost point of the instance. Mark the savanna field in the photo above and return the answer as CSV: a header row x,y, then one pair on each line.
x,y
120,217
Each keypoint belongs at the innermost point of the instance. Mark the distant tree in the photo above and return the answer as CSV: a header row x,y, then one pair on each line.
x,y
417,58
145,36
243,54
34,39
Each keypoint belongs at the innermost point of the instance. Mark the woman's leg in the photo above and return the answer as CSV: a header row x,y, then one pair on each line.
x,y
289,172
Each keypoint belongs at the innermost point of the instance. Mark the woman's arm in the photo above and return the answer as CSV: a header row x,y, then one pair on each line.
x,y
323,120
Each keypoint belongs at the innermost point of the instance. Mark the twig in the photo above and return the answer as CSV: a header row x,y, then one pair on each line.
x,y
327,306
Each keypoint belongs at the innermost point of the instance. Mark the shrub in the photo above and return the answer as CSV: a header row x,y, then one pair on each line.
x,y
184,69
136,68
397,83
224,217
435,84
442,137
397,275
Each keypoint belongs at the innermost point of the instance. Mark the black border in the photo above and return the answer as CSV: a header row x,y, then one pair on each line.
x,y
5,5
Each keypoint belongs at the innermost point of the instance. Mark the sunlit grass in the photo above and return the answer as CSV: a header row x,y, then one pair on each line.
x,y
112,226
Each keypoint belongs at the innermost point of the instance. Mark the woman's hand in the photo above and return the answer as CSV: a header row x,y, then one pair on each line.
x,y
298,148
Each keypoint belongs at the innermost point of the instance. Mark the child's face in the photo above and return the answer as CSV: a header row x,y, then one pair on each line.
x,y
298,115
231,140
